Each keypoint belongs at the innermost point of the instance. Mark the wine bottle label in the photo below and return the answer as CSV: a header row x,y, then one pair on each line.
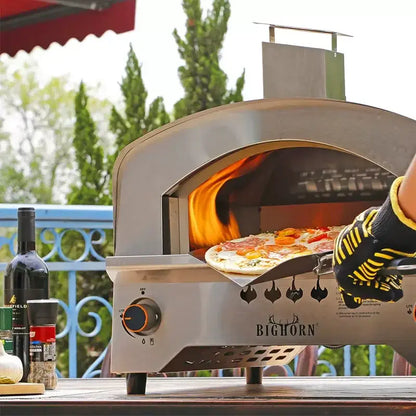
x,y
17,299
42,343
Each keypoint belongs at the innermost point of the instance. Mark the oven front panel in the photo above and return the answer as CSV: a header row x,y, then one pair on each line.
x,y
220,317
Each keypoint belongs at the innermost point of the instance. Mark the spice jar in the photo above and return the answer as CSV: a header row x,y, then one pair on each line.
x,y
42,314
6,334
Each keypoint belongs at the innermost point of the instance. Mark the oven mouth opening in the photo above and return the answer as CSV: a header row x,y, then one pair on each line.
x,y
298,187
268,191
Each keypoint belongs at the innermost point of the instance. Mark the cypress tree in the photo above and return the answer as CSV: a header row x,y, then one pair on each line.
x,y
137,119
89,156
204,82
93,173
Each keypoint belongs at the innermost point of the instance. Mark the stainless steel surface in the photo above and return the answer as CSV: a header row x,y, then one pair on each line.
x,y
119,266
232,356
296,71
164,273
147,168
124,263
214,314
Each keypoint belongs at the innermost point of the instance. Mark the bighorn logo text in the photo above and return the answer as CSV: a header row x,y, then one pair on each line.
x,y
291,328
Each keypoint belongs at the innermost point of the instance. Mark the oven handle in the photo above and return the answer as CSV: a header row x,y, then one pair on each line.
x,y
403,265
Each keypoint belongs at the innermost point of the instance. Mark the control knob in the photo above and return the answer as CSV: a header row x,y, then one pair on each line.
x,y
141,317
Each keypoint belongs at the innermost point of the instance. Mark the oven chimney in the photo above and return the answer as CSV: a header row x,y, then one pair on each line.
x,y
296,71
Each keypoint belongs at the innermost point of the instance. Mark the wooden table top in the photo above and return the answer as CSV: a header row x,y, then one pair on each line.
x,y
220,396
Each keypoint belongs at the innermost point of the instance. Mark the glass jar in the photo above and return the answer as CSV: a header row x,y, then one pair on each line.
x,y
42,320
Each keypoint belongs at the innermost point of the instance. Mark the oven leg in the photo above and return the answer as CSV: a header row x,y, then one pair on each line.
x,y
136,383
254,375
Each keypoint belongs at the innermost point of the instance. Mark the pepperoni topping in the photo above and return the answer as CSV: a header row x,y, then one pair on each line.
x,y
249,242
318,237
324,246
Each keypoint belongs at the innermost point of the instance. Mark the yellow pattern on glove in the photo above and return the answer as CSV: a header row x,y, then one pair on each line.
x,y
367,245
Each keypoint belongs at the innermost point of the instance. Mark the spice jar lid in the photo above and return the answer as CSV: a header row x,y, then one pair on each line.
x,y
6,314
42,311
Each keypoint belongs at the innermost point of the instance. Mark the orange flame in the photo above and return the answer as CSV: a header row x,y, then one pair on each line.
x,y
205,228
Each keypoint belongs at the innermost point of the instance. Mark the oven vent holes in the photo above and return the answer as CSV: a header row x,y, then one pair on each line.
x,y
205,358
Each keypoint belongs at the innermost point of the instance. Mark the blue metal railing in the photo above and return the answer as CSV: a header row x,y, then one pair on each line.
x,y
90,223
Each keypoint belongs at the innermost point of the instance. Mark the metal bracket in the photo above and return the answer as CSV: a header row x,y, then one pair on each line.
x,y
324,264
334,35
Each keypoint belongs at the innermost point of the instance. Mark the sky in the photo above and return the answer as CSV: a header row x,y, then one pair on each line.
x,y
380,58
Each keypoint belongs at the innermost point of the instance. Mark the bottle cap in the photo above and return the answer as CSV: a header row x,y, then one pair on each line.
x,y
26,227
42,311
26,211
6,314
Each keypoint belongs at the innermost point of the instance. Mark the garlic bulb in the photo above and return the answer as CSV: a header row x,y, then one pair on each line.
x,y
11,368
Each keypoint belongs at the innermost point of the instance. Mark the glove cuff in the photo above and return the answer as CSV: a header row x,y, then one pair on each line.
x,y
391,226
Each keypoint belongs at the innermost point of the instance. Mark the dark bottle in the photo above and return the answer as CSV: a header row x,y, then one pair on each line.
x,y
26,277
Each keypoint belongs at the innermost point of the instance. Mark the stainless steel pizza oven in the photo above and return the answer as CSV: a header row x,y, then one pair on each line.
x,y
228,172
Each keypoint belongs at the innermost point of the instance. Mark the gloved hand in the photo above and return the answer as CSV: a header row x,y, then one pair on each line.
x,y
376,237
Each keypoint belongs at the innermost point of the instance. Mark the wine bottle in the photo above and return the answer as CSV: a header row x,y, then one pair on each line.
x,y
26,277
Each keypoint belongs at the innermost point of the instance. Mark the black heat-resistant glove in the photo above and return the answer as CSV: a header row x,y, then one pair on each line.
x,y
374,239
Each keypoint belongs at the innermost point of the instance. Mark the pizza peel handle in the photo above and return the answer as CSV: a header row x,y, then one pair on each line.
x,y
403,266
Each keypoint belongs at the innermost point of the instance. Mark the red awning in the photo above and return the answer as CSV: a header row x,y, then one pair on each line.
x,y
25,24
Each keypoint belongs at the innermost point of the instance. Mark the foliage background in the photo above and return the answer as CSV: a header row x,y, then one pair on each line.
x,y
68,140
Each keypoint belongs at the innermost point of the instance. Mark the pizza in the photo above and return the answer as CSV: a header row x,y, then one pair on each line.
x,y
256,254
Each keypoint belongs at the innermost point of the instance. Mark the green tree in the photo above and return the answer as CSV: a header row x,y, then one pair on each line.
x,y
137,119
89,156
202,78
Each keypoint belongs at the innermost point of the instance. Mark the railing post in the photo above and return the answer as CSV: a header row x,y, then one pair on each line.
x,y
347,360
372,360
72,314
